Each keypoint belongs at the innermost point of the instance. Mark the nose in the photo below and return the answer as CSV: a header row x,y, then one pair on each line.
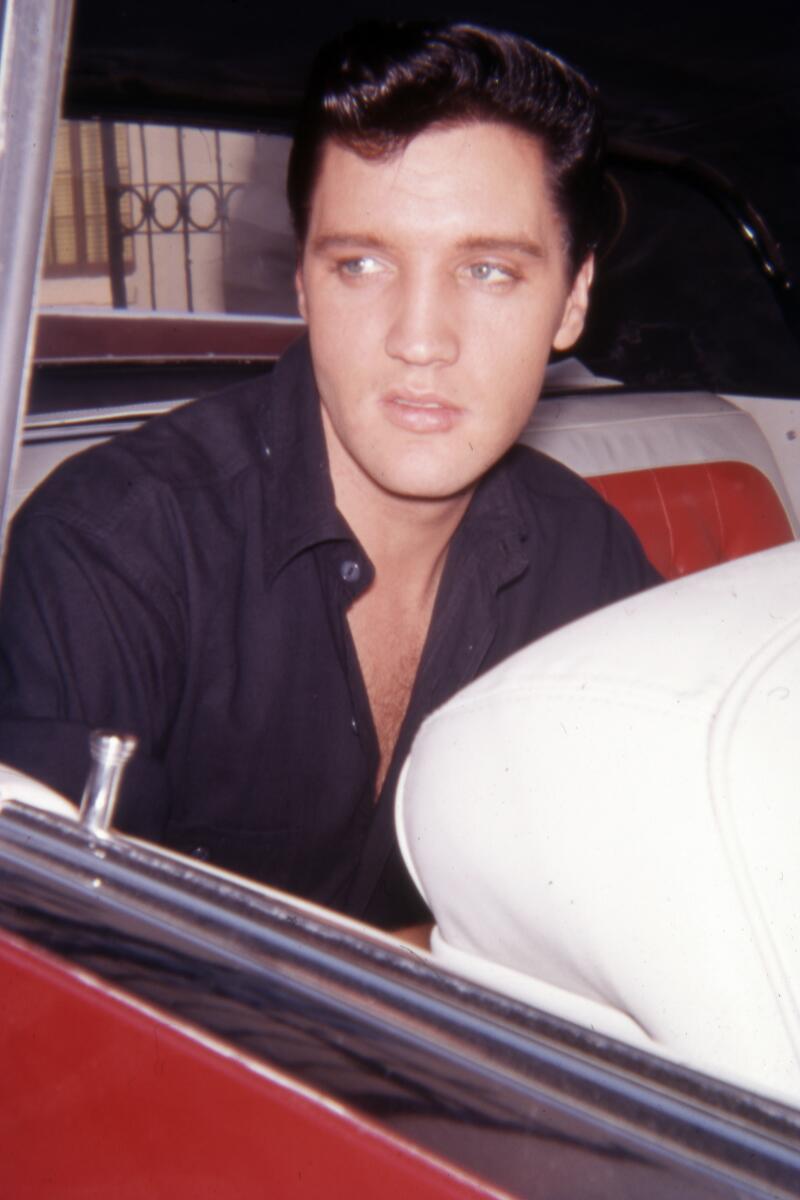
x,y
423,327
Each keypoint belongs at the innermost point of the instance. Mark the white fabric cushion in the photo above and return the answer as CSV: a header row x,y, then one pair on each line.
x,y
17,786
611,818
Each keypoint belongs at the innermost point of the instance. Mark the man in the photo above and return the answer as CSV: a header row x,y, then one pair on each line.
x,y
273,587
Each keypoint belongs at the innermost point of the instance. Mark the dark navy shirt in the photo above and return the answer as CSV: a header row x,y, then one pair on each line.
x,y
189,582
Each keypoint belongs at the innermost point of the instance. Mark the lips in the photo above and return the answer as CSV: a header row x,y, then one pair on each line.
x,y
420,413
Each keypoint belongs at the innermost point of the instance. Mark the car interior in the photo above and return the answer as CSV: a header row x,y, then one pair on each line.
x,y
683,697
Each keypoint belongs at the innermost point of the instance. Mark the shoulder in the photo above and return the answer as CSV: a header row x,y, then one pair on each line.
x,y
575,524
188,490
198,445
200,448
544,484
128,524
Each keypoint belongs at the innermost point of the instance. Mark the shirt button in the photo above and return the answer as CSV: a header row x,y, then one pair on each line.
x,y
201,852
354,724
350,571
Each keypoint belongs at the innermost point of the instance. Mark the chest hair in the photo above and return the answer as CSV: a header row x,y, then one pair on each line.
x,y
389,648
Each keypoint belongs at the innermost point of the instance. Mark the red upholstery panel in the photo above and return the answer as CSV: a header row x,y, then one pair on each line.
x,y
692,517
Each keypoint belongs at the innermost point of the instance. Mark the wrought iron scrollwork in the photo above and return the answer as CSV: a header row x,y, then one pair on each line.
x,y
173,207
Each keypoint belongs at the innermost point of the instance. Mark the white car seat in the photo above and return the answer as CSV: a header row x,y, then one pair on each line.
x,y
607,825
17,786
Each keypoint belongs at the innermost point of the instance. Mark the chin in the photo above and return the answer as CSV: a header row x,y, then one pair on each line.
x,y
433,487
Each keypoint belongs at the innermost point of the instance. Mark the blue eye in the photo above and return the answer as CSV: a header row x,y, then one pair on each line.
x,y
356,267
487,272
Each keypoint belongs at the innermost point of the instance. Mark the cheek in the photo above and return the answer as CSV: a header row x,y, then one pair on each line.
x,y
343,366
512,346
523,323
510,372
351,323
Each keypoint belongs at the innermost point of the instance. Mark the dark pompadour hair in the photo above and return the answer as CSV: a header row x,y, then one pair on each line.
x,y
380,84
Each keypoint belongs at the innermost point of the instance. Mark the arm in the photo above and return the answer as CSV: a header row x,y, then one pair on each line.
x,y
88,639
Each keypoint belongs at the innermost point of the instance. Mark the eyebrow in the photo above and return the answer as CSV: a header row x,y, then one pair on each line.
x,y
347,241
478,242
503,245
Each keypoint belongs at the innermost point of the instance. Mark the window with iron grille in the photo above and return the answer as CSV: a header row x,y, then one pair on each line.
x,y
77,236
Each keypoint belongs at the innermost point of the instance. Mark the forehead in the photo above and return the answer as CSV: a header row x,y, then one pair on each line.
x,y
485,175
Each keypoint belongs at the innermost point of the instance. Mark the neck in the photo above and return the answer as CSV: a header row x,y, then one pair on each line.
x,y
406,538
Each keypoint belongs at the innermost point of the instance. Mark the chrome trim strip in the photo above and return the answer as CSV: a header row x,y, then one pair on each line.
x,y
34,42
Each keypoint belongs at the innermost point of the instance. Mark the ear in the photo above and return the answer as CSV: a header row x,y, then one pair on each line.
x,y
574,317
299,287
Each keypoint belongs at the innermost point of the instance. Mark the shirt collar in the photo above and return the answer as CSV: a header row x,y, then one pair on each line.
x,y
496,527
299,492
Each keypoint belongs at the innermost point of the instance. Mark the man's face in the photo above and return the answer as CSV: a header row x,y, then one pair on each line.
x,y
434,284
